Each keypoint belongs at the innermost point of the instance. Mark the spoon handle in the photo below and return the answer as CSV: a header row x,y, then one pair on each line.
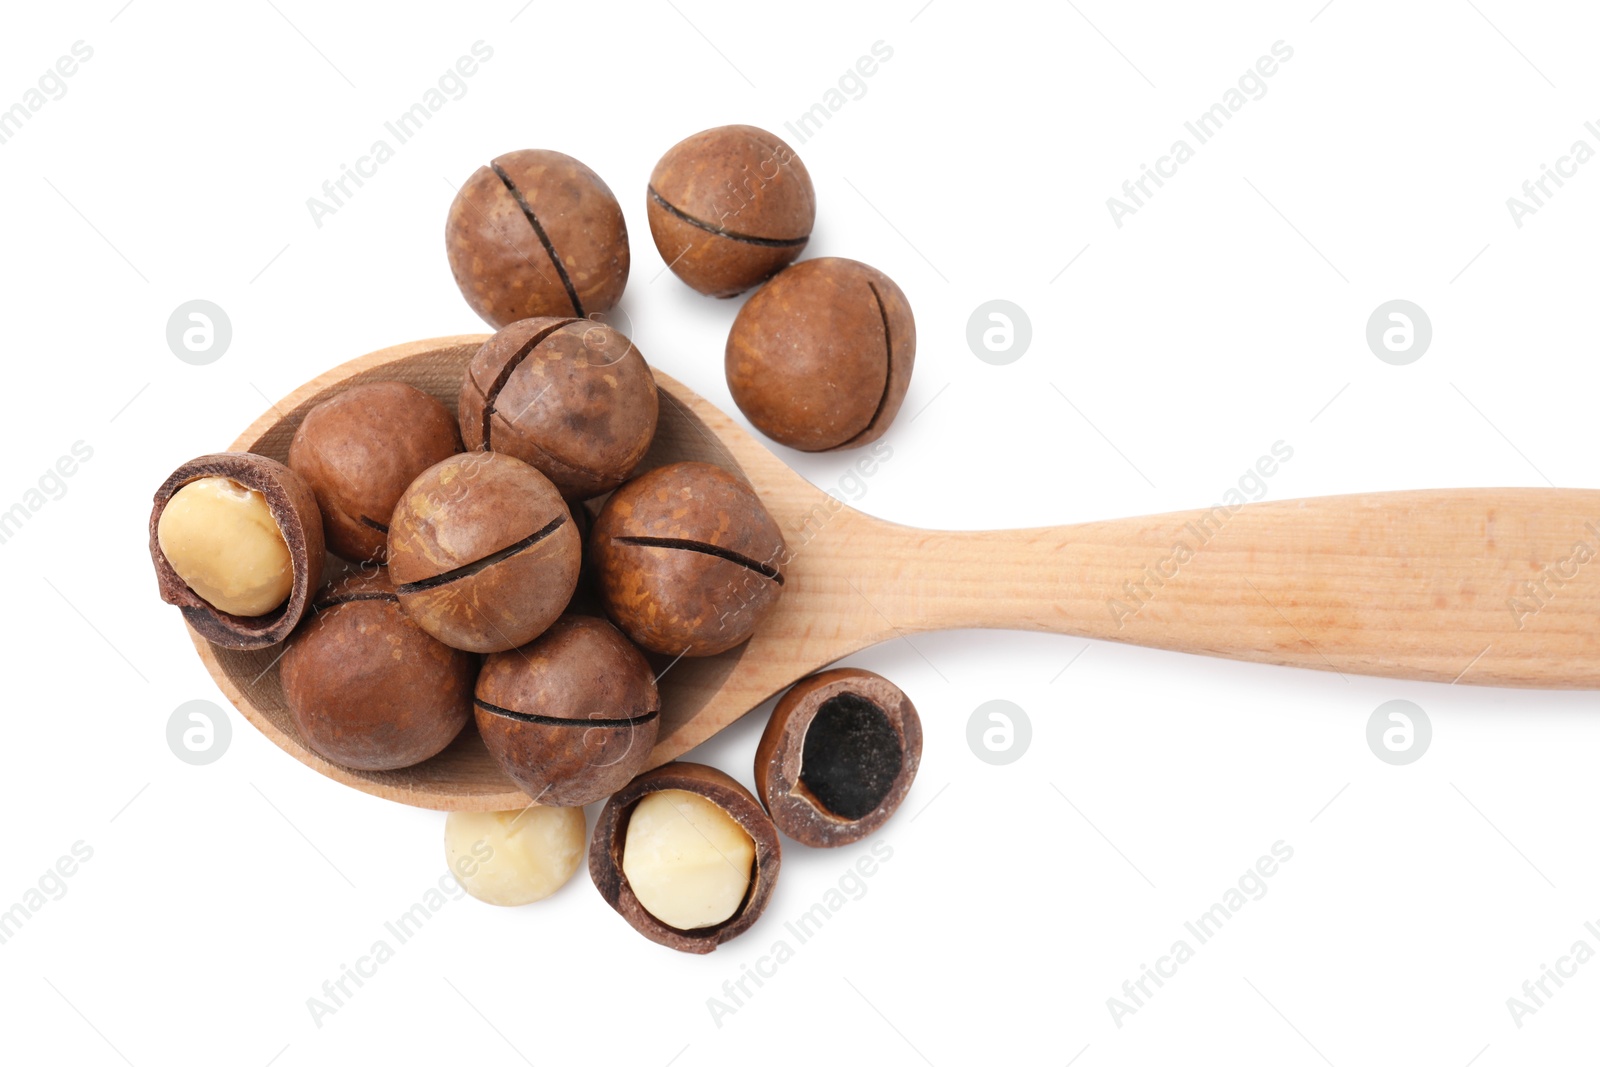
x,y
1484,586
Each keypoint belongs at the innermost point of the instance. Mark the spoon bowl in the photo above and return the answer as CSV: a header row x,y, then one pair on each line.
x,y
699,696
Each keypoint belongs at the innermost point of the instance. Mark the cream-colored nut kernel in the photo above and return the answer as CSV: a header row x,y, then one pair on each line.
x,y
224,543
687,861
514,857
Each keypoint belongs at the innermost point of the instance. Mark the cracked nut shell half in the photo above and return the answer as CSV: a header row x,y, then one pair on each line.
x,y
611,831
294,508
838,756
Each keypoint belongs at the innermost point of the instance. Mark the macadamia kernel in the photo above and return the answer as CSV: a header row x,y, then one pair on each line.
x,y
687,861
514,857
222,540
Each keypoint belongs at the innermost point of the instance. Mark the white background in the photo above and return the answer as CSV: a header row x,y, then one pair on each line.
x,y
1227,314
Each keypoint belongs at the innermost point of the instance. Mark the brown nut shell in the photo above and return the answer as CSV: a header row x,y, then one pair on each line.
x,y
537,233
359,450
611,832
688,559
572,397
838,756
294,508
483,552
571,716
367,688
729,207
821,356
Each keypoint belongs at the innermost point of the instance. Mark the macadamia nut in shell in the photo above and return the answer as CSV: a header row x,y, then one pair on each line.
x,y
728,207
366,687
537,233
821,356
483,552
223,541
359,450
688,558
690,863
571,397
571,716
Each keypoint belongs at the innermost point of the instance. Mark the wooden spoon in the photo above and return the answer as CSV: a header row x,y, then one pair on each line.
x,y
1487,586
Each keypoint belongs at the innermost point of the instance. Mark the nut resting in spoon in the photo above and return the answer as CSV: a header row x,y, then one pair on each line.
x,y
688,559
483,552
222,540
572,716
366,687
359,449
838,756
688,856
241,551
573,398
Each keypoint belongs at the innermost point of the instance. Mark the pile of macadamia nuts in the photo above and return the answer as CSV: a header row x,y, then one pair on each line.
x,y
513,564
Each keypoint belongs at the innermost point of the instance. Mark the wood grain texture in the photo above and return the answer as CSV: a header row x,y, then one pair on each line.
x,y
1484,586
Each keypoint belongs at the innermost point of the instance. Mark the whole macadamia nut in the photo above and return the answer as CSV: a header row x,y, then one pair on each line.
x,y
483,552
820,357
537,233
511,858
688,560
729,207
359,450
572,716
366,687
571,397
